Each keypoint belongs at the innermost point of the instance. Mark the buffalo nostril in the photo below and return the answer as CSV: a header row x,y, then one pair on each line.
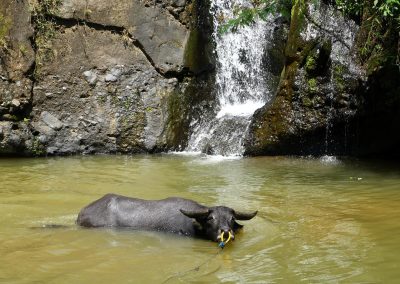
x,y
227,234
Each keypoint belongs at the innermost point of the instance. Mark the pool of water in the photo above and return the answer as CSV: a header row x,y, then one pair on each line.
x,y
320,220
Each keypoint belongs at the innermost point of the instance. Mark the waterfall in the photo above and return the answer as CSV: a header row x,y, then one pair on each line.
x,y
241,83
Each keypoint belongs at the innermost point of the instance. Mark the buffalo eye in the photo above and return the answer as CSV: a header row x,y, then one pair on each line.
x,y
210,218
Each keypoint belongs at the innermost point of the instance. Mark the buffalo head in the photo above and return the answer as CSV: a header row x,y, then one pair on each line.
x,y
214,222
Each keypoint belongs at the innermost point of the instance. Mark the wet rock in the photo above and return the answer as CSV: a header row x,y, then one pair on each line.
x,y
207,149
308,112
51,150
13,138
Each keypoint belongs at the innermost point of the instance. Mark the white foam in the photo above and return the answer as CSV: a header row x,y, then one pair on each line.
x,y
219,158
326,159
204,158
185,153
240,109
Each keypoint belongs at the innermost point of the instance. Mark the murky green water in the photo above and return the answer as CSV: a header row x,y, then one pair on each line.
x,y
318,222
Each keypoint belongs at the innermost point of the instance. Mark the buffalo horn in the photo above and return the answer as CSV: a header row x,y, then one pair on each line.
x,y
196,214
244,216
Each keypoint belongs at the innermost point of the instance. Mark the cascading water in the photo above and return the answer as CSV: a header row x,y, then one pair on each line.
x,y
241,83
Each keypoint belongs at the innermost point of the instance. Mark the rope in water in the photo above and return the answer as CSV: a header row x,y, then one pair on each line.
x,y
197,268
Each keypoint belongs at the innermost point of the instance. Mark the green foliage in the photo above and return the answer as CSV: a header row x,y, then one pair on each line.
x,y
37,148
260,9
350,7
388,8
311,63
385,9
380,22
381,26
45,7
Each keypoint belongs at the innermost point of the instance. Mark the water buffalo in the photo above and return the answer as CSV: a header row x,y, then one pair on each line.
x,y
173,215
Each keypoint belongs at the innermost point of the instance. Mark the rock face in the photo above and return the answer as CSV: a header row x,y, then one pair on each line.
x,y
101,77
129,76
104,92
161,37
324,100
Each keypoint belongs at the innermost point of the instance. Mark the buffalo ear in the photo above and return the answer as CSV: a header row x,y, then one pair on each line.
x,y
237,226
197,214
245,216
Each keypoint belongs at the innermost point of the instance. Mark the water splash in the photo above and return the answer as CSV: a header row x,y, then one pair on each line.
x,y
241,83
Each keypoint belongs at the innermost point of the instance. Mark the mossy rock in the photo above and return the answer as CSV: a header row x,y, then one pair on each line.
x,y
318,60
5,25
312,85
186,105
198,55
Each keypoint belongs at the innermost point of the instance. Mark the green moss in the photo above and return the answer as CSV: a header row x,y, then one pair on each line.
x,y
296,26
177,111
191,58
128,103
295,51
313,85
198,54
196,57
306,101
37,148
23,49
149,109
311,63
339,70
5,25
338,73
9,117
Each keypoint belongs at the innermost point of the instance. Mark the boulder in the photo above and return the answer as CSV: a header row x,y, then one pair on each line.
x,y
319,89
